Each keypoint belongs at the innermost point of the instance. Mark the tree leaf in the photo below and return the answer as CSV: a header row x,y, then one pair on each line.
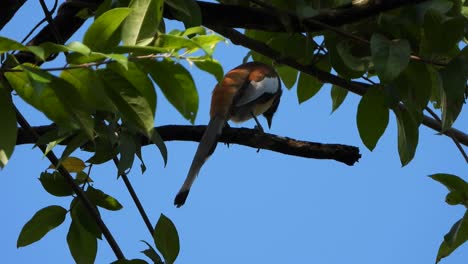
x,y
7,44
90,87
208,42
55,184
457,186
436,35
408,135
100,36
103,200
127,150
159,142
210,66
288,75
152,254
338,96
166,239
131,103
142,23
336,61
40,95
40,224
457,236
177,85
71,164
372,117
454,82
140,81
82,244
81,216
390,57
187,11
9,130
308,85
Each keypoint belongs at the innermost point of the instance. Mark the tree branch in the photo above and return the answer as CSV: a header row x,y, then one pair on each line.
x,y
358,88
8,10
241,136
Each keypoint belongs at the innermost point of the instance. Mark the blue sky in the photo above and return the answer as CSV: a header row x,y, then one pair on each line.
x,y
257,207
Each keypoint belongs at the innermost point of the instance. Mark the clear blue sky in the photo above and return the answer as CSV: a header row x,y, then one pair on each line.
x,y
254,207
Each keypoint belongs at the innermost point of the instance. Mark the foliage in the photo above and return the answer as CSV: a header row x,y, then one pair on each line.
x,y
412,58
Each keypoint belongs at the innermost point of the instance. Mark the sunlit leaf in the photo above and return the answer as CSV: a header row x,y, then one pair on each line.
x,y
100,35
103,200
142,23
9,128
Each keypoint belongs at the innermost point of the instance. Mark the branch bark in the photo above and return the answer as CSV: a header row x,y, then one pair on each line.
x,y
8,10
348,155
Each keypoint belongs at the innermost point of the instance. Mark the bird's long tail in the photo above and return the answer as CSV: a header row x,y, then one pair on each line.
x,y
205,149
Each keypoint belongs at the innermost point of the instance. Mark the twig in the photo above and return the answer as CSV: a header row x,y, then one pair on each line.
x,y
79,192
50,20
135,199
455,140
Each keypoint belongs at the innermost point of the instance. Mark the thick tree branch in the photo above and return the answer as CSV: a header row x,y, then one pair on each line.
x,y
8,10
242,136
358,88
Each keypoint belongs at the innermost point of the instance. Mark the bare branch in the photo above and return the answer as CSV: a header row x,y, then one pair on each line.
x,y
242,136
8,10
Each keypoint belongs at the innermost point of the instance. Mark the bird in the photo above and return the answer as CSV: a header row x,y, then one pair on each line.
x,y
249,90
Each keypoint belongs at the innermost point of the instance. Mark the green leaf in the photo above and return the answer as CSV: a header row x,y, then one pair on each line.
x,y
166,239
142,23
9,130
90,87
7,44
390,57
452,182
211,66
308,85
140,81
131,103
288,75
454,82
40,95
104,145
208,42
100,36
159,142
177,85
152,254
82,244
103,200
176,43
372,117
414,87
77,141
55,184
69,97
408,135
127,150
436,35
40,224
187,11
81,216
352,62
338,96
457,236
336,61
